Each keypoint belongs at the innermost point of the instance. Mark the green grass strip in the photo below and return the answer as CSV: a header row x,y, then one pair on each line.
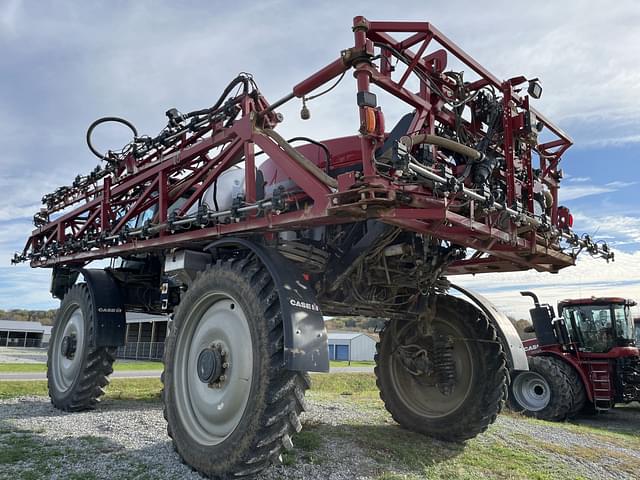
x,y
119,366
146,389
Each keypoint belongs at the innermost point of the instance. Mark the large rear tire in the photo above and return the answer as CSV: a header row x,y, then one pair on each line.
x,y
579,391
230,404
77,372
545,392
416,399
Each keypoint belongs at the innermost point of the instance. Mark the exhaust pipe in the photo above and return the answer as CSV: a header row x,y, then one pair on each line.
x,y
536,302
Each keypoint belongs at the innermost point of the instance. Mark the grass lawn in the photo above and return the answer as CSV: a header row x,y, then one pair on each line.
x,y
354,384
337,363
358,384
119,388
120,365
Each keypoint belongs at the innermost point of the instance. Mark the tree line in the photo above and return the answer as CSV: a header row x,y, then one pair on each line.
x,y
45,317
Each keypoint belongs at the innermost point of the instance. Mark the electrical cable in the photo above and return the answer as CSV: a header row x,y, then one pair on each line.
x,y
328,89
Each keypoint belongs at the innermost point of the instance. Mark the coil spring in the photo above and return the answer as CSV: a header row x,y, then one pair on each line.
x,y
444,364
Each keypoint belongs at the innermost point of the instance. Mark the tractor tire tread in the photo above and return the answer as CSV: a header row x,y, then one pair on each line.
x,y
562,401
95,369
477,418
284,394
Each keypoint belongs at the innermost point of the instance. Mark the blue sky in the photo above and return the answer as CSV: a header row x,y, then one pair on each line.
x,y
63,64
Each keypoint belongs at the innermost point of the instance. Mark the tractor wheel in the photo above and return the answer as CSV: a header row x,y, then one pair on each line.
x,y
450,384
579,391
545,391
77,372
230,404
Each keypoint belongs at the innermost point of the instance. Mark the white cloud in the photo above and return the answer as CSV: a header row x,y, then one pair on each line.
x,y
573,192
619,184
9,12
571,178
621,227
611,141
13,212
24,287
13,236
589,277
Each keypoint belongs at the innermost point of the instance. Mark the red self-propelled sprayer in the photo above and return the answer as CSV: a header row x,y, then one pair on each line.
x,y
247,239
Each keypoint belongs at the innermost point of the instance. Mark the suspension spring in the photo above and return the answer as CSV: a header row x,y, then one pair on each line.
x,y
444,364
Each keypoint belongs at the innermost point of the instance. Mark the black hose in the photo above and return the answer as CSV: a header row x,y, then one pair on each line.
x,y
160,139
105,120
325,149
239,79
327,153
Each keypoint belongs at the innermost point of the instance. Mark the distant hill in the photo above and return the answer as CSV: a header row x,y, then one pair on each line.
x,y
366,324
45,317
355,324
520,325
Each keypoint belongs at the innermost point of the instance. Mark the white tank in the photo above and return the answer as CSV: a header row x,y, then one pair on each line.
x,y
228,186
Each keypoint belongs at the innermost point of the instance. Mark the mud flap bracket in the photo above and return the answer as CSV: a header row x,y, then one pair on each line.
x,y
109,313
305,336
511,342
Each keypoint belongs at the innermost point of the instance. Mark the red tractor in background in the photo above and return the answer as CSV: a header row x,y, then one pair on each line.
x,y
585,360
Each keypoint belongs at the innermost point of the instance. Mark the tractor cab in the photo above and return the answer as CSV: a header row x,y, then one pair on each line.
x,y
599,324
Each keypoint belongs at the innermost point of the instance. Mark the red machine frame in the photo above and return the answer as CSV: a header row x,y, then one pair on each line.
x,y
162,177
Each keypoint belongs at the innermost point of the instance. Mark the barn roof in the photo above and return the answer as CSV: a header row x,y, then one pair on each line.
x,y
21,326
344,335
137,317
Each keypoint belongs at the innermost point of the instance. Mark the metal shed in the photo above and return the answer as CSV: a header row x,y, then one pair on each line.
x,y
351,346
15,333
145,337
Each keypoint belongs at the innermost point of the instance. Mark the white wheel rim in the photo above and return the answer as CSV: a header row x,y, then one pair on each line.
x,y
531,390
211,414
65,370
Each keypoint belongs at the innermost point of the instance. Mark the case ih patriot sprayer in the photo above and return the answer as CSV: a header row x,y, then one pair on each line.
x,y
585,360
248,259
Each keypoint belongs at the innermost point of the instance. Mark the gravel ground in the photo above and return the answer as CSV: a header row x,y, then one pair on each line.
x,y
128,440
23,355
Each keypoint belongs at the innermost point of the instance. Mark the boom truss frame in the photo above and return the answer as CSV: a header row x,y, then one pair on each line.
x,y
101,226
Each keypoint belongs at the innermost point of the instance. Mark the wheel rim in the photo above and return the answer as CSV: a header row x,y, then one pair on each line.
x,y
427,400
210,412
531,391
66,365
